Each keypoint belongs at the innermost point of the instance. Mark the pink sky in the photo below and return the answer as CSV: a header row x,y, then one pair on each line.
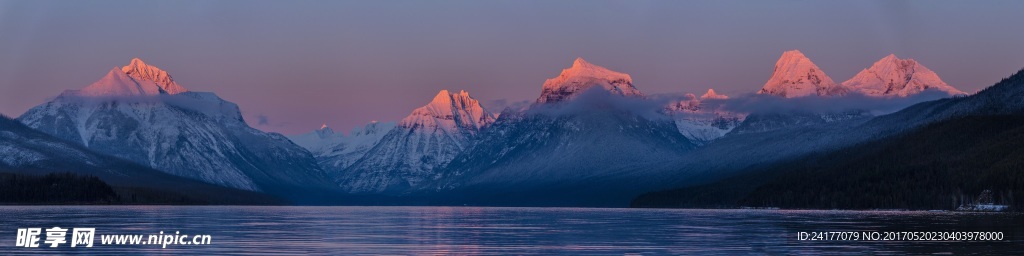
x,y
297,65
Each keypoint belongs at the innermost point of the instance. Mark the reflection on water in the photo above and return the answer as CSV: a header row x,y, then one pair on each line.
x,y
474,231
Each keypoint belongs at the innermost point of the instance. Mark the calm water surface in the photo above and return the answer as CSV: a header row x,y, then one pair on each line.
x,y
474,231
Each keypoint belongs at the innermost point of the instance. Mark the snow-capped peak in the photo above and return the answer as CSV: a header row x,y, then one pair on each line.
x,y
890,57
582,76
140,71
451,112
796,76
445,99
712,95
136,79
892,76
117,83
324,131
371,128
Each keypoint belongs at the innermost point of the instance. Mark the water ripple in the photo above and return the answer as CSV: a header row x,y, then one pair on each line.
x,y
258,230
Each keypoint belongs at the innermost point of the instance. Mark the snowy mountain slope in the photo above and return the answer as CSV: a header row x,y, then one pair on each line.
x,y
796,76
700,121
138,113
317,140
24,147
410,155
27,151
703,129
529,148
892,76
335,151
597,136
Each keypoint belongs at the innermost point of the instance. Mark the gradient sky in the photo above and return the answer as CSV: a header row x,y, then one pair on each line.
x,y
293,65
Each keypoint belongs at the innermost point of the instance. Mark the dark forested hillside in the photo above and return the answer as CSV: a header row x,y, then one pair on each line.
x,y
936,167
54,188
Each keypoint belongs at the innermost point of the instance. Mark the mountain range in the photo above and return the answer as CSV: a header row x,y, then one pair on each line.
x,y
796,76
933,155
453,143
591,138
589,126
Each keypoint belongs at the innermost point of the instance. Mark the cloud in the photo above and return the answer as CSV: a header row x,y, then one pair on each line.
x,y
598,99
758,103
653,106
262,119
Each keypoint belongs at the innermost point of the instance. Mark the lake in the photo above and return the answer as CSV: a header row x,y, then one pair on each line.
x,y
486,230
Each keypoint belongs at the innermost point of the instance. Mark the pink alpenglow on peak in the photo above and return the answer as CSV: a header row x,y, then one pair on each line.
x,y
324,131
139,70
583,76
117,83
712,95
796,76
136,79
892,76
451,112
